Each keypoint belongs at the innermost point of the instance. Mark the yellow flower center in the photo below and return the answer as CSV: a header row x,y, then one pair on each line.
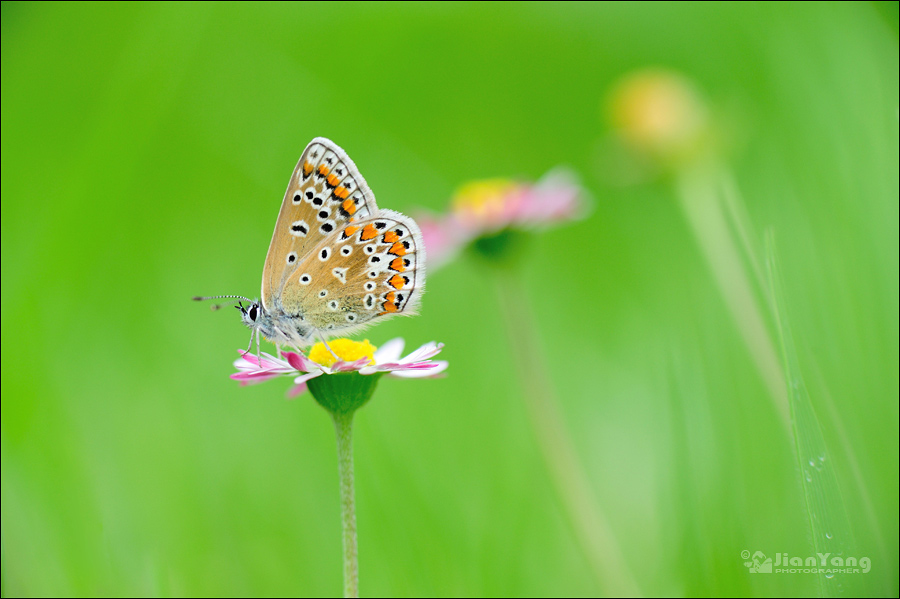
x,y
346,349
483,199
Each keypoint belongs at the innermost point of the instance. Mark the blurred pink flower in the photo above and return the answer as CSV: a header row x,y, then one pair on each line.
x,y
482,208
386,359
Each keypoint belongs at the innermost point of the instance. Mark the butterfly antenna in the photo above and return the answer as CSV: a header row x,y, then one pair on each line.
x,y
202,298
214,307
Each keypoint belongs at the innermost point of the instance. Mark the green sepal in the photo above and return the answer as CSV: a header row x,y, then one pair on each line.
x,y
504,248
343,392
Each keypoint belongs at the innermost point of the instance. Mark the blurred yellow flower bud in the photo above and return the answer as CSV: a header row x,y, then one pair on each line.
x,y
660,113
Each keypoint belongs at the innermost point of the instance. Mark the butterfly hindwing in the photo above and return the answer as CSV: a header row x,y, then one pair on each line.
x,y
371,268
325,194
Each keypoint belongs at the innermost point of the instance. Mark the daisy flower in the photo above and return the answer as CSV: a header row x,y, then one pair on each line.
x,y
352,356
342,377
482,209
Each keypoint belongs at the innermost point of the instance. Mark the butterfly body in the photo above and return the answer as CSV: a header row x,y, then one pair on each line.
x,y
337,263
276,326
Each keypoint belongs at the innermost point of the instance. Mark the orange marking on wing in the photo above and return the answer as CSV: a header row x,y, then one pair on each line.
x,y
341,192
397,264
368,232
389,307
307,168
351,230
391,237
332,180
323,170
397,282
349,206
397,249
391,296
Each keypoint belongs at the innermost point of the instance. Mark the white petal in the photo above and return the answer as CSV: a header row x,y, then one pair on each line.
x,y
389,351
305,377
423,353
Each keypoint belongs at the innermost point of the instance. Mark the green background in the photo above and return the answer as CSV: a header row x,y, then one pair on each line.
x,y
145,151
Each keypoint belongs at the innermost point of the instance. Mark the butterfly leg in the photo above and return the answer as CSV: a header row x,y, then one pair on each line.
x,y
258,355
250,345
328,347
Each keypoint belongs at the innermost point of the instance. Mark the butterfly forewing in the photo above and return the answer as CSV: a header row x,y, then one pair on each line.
x,y
326,193
372,267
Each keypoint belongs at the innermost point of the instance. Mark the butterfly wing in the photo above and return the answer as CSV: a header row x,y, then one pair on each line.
x,y
325,194
370,269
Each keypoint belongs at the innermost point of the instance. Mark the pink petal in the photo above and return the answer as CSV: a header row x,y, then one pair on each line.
x,y
247,378
297,390
342,366
300,383
247,360
414,366
413,373
264,362
300,362
444,237
557,196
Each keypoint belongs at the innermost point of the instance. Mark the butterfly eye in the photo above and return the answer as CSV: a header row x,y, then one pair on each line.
x,y
252,312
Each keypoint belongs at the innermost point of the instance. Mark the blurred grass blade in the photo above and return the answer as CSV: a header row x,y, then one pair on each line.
x,y
828,521
590,524
699,194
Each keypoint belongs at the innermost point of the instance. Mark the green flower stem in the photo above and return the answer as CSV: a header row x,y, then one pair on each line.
x,y
589,524
341,395
343,428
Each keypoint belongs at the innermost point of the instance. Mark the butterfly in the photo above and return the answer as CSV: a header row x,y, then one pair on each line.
x,y
337,263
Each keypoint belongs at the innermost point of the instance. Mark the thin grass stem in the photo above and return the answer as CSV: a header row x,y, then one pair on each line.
x,y
590,525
